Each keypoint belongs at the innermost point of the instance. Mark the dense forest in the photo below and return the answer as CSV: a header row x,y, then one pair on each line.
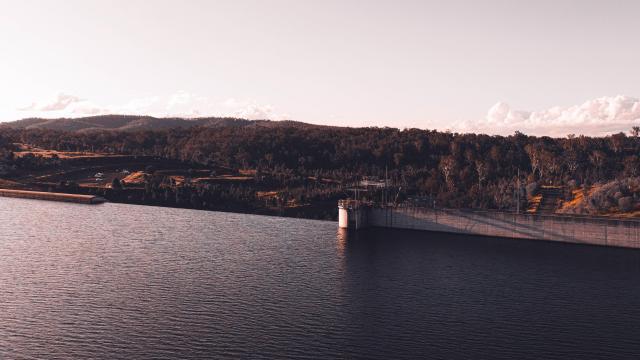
x,y
456,170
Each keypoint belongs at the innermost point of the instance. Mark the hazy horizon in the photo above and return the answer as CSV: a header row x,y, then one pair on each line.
x,y
544,68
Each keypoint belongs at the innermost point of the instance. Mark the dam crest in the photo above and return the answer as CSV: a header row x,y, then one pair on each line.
x,y
604,231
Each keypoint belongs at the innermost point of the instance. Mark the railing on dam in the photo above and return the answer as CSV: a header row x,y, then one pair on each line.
x,y
354,204
564,228
488,212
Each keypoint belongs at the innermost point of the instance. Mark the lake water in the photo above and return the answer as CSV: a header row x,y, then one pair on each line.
x,y
125,282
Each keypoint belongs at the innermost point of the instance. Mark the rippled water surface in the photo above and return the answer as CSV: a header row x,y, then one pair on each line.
x,y
123,282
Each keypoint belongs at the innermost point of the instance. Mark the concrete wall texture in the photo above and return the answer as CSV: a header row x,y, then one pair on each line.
x,y
580,230
354,218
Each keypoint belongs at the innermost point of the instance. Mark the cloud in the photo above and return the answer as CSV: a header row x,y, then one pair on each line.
x,y
255,112
136,106
251,110
61,102
598,117
178,104
180,98
88,109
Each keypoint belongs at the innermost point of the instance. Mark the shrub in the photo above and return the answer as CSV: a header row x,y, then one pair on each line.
x,y
625,204
572,184
532,189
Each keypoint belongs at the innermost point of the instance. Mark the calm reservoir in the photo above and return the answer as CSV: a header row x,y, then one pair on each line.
x,y
120,282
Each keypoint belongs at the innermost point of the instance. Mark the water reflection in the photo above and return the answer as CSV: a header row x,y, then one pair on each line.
x,y
498,298
122,282
342,237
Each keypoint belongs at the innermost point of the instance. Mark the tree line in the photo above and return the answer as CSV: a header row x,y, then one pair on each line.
x,y
457,170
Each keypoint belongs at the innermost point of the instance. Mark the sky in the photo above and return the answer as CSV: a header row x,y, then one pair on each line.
x,y
545,67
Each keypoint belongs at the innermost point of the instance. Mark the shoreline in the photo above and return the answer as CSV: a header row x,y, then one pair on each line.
x,y
52,196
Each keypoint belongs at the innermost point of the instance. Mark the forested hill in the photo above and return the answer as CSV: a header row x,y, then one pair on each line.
x,y
460,170
136,123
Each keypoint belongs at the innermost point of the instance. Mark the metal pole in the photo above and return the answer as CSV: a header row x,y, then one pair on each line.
x,y
386,174
518,194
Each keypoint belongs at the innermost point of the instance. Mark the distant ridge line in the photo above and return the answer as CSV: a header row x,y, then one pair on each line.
x,y
143,122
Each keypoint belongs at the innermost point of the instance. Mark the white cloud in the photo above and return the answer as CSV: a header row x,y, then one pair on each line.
x,y
255,112
60,102
596,117
180,98
137,106
88,109
179,104
251,110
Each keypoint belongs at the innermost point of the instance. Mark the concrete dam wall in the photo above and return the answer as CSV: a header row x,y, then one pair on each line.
x,y
570,229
